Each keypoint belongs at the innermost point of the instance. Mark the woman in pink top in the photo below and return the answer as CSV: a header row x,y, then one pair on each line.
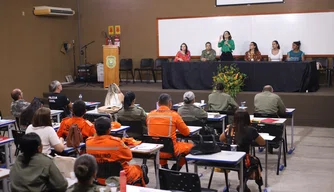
x,y
183,55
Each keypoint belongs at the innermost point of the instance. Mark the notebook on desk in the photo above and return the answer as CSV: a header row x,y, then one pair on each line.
x,y
145,147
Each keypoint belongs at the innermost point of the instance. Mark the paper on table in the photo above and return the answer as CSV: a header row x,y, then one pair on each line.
x,y
145,147
71,181
266,136
209,114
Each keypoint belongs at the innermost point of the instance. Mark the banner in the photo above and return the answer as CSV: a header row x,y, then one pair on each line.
x,y
117,29
111,30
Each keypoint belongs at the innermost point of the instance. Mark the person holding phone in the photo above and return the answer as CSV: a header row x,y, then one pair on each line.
x,y
183,55
227,46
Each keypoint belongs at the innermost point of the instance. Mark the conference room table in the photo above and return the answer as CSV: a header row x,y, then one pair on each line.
x,y
283,76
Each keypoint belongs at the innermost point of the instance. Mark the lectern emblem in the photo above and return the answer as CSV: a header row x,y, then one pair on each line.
x,y
111,61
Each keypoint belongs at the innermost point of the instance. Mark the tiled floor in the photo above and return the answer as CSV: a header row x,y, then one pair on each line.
x,y
309,168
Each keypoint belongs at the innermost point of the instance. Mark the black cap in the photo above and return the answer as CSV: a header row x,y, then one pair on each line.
x,y
102,124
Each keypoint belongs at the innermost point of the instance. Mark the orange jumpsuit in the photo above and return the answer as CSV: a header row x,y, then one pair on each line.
x,y
106,148
87,128
164,123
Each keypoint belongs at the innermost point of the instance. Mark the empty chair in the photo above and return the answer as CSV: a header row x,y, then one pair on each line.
x,y
323,68
158,65
126,65
277,131
148,66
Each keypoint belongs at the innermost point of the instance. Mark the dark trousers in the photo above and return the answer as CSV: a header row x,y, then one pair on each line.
x,y
226,56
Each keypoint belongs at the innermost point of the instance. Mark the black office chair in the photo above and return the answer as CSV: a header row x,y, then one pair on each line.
x,y
168,148
148,66
174,180
136,129
17,135
324,69
277,131
126,65
158,65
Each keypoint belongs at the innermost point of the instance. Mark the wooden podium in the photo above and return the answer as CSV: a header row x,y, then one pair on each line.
x,y
111,64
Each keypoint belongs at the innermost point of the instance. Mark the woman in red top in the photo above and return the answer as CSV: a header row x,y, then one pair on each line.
x,y
183,54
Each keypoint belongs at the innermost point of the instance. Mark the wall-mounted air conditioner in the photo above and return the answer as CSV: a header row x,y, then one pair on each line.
x,y
53,11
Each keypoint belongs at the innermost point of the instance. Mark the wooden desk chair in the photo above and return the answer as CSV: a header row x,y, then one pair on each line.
x,y
168,148
174,180
277,131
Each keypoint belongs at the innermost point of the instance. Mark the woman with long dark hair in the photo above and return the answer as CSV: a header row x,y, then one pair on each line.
x,y
242,134
183,55
34,171
275,54
227,46
253,54
85,170
28,113
131,112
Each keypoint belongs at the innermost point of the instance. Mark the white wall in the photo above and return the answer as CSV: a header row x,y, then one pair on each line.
x,y
314,30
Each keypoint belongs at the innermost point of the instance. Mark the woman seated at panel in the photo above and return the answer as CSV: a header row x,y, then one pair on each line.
x,y
34,171
296,54
183,55
242,134
275,54
131,112
114,97
253,54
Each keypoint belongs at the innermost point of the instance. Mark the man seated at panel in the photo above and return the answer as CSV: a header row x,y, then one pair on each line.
x,y
18,104
268,102
164,122
58,101
106,148
189,111
220,101
208,54
86,127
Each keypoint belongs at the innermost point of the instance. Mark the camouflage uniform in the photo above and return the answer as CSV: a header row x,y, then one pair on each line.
x,y
18,106
269,103
190,112
211,56
219,101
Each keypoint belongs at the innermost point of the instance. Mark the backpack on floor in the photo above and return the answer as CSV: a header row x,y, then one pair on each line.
x,y
74,137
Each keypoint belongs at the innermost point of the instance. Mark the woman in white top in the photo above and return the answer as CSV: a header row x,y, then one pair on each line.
x,y
275,54
114,97
41,125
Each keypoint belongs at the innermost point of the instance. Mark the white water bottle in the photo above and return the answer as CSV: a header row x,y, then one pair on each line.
x,y
80,97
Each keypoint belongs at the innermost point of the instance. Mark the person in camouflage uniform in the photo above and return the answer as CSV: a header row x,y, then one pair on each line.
x,y
208,54
189,111
18,104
